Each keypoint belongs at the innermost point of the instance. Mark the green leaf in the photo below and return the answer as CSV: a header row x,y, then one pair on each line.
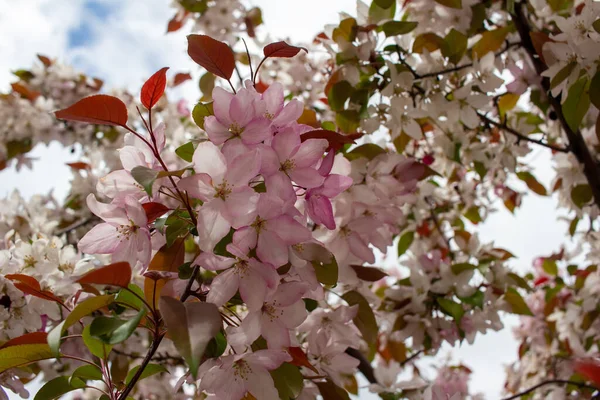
x,y
395,28
550,267
385,3
560,5
367,150
201,111
490,41
404,242
427,41
288,381
596,25
562,74
87,373
348,120
452,308
338,95
516,302
145,177
519,281
455,46
532,183
57,387
476,299
126,297
365,318
331,391
191,326
206,85
151,369
326,270
23,354
462,267
581,195
378,13
84,308
114,330
506,103
95,346
573,226
594,90
216,347
577,103
185,151
472,215
450,3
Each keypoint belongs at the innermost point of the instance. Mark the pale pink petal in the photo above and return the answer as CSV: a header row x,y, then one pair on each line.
x,y
198,186
213,262
289,293
118,183
279,185
221,103
108,212
223,287
360,249
241,109
274,332
306,177
217,132
135,212
327,163
273,98
310,152
253,290
320,211
212,227
267,272
285,144
294,315
269,161
234,147
208,159
159,136
268,358
260,385
248,331
291,112
271,249
240,207
243,168
245,239
288,230
335,184
412,129
101,239
270,206
257,131
131,157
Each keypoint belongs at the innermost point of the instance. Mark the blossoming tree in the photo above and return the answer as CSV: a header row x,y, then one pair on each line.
x,y
315,215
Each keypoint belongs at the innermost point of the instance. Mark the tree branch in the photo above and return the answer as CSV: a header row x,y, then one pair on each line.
x,y
577,144
555,382
519,135
364,366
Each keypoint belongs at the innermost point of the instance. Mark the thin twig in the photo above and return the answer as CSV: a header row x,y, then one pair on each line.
x,y
550,382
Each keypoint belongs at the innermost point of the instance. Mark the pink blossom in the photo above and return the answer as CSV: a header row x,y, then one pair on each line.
x,y
275,110
234,376
282,310
253,278
124,234
223,186
318,203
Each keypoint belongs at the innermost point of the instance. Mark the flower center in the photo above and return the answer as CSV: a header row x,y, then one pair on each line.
x,y
29,261
241,369
126,230
258,224
235,129
287,165
222,191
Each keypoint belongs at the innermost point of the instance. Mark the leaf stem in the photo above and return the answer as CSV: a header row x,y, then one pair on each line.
x,y
550,382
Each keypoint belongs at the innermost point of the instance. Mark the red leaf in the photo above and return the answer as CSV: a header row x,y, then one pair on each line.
x,y
300,359
117,274
28,338
154,210
25,92
261,87
538,39
79,165
176,22
45,60
154,88
369,274
336,140
214,56
588,368
281,49
180,78
30,285
97,109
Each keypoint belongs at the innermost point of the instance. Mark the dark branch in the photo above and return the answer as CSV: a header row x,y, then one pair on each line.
x,y
519,135
551,382
577,144
365,366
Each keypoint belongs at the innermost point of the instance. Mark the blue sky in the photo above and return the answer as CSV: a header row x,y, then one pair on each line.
x,y
124,42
